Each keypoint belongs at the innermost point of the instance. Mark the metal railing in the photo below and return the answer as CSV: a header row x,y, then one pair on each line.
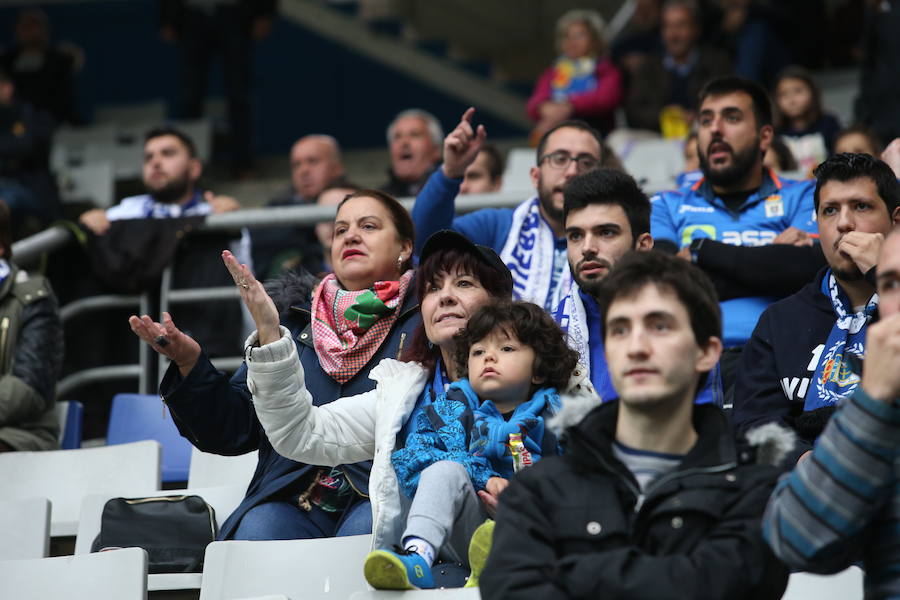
x,y
29,250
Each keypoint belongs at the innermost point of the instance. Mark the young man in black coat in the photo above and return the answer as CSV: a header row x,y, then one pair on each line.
x,y
652,497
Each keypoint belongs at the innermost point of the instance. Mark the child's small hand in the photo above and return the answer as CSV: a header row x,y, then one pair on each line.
x,y
495,485
491,493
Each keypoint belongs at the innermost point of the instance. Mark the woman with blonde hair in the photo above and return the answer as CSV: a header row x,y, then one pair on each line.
x,y
582,83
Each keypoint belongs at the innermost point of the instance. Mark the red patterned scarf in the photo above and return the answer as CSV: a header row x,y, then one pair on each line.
x,y
349,326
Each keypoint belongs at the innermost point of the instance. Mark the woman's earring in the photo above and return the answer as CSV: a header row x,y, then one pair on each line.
x,y
400,262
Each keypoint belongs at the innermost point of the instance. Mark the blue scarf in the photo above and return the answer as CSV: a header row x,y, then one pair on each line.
x,y
5,270
490,435
834,380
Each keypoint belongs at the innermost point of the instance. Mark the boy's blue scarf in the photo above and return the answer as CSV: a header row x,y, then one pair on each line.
x,y
490,435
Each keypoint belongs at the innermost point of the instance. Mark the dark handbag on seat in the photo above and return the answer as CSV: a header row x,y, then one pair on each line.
x,y
174,530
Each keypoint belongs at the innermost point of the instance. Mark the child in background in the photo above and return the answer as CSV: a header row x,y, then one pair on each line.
x,y
858,139
582,83
806,129
779,157
691,173
515,358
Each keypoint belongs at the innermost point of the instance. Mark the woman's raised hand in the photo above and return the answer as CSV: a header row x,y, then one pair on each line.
x,y
168,340
258,302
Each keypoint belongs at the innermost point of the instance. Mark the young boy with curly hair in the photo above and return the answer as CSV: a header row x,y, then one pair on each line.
x,y
513,358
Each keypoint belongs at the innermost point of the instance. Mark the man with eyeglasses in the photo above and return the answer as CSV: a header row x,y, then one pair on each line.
x,y
530,238
738,201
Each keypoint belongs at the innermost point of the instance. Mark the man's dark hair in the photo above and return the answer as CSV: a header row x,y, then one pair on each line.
x,y
182,137
494,161
554,360
609,186
848,166
694,289
689,5
762,104
571,124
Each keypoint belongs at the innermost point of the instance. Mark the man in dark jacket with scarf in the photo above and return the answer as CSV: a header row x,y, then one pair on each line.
x,y
798,363
652,498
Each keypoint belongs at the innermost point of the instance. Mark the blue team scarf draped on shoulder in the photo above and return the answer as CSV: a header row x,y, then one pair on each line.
x,y
5,270
834,379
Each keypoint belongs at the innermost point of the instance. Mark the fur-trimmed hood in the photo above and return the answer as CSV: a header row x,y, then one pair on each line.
x,y
767,444
293,287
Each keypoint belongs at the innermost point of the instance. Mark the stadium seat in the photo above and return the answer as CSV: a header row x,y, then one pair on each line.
x,y
71,417
320,569
210,470
66,476
87,183
126,159
846,585
114,575
223,499
25,527
69,143
655,163
516,176
136,417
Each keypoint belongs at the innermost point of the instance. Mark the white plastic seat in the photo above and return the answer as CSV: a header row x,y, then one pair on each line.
x,y
127,160
321,569
66,476
517,174
70,144
655,163
90,182
211,470
223,499
24,528
846,585
114,575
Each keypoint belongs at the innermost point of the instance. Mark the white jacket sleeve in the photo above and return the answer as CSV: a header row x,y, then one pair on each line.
x,y
339,432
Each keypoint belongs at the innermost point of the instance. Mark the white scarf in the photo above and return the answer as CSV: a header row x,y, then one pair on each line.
x,y
529,253
572,319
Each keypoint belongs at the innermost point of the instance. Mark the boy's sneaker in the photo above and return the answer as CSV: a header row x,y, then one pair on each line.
x,y
397,570
479,548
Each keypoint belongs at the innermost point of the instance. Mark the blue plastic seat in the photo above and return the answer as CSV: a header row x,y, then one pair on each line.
x,y
71,416
137,417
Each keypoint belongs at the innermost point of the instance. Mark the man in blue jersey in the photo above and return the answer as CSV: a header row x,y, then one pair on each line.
x,y
842,503
738,201
606,217
530,237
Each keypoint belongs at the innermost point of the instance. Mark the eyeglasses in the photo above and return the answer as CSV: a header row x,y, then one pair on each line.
x,y
561,159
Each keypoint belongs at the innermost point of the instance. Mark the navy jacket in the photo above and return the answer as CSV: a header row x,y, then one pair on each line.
x,y
777,365
216,413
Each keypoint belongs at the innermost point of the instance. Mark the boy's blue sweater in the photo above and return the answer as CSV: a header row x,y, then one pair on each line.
x,y
457,426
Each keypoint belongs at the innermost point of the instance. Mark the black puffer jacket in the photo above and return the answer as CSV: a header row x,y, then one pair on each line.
x,y
569,527
31,351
